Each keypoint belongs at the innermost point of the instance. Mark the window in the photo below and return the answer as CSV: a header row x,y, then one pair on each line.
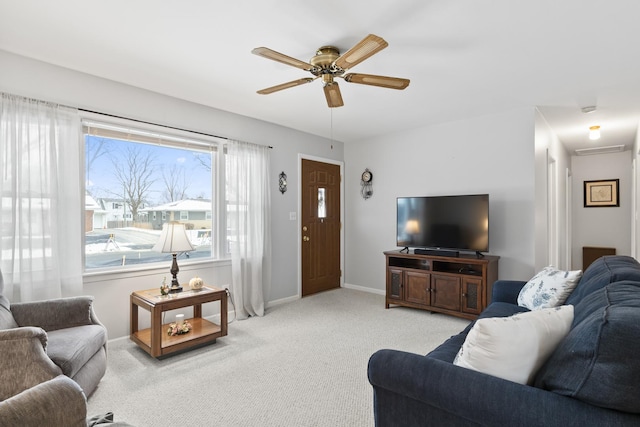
x,y
138,179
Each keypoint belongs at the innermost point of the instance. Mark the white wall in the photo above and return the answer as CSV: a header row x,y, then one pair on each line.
x,y
490,154
602,226
30,78
551,158
635,227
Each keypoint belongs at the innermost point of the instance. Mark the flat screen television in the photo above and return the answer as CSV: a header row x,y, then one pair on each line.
x,y
455,223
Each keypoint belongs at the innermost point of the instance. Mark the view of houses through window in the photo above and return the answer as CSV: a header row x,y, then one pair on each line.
x,y
134,185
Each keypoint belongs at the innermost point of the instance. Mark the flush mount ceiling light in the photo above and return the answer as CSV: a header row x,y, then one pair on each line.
x,y
594,133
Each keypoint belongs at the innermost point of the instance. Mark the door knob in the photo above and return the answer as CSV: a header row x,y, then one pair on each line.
x,y
305,238
304,228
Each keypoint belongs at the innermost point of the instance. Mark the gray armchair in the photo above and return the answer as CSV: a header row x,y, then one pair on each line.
x,y
41,343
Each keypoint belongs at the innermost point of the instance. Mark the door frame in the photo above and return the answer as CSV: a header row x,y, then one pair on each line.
x,y
298,216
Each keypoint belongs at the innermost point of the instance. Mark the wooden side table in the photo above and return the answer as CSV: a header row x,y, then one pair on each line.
x,y
155,340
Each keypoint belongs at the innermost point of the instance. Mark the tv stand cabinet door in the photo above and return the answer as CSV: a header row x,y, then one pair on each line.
x,y
418,287
445,292
472,291
395,284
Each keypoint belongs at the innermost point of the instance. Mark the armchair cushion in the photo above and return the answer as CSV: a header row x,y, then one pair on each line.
x,y
71,348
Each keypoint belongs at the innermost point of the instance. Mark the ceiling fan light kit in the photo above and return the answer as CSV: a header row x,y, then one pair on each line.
x,y
329,64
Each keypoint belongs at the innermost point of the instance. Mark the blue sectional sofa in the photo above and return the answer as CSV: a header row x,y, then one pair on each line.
x,y
592,378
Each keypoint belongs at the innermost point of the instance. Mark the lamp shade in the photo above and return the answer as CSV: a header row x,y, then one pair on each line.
x,y
173,239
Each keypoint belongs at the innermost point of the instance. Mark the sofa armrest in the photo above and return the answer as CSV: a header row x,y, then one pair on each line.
x,y
24,362
57,402
506,291
472,398
55,313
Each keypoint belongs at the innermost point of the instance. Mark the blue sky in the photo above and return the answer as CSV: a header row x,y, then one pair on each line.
x,y
101,180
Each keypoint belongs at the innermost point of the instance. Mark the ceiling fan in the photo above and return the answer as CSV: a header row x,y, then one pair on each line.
x,y
329,64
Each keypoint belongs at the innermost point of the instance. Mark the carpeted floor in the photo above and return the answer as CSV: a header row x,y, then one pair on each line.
x,y
303,364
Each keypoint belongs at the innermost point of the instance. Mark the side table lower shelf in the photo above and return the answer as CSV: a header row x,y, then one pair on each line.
x,y
203,332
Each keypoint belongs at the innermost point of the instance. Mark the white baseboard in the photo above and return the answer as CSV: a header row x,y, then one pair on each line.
x,y
364,289
110,340
282,301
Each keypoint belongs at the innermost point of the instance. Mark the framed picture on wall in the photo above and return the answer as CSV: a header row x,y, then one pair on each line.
x,y
602,193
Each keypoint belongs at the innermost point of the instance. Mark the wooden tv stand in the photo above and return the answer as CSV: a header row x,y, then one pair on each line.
x,y
460,286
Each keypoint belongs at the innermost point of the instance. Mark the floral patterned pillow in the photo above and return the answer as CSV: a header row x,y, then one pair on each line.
x,y
549,288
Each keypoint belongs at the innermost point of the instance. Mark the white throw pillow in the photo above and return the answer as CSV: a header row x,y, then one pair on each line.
x,y
549,288
515,347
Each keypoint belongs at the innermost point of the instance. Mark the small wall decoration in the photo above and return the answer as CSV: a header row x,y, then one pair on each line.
x,y
602,193
366,187
282,182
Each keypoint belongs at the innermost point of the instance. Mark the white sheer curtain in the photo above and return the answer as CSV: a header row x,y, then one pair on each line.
x,y
249,225
40,199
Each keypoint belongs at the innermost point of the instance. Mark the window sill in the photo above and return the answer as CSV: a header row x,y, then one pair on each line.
x,y
138,271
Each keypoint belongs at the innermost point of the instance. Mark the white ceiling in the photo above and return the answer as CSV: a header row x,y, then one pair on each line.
x,y
464,58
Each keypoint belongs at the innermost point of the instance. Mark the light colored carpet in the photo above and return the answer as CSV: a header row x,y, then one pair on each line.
x,y
303,364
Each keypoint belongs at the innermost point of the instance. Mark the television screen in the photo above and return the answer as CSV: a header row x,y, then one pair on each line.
x,y
444,222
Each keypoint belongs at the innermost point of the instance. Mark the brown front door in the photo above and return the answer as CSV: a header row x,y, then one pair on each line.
x,y
320,224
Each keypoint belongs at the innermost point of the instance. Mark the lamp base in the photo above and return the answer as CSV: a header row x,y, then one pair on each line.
x,y
175,285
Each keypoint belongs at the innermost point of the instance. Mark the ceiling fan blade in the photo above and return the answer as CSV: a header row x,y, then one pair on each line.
x,y
265,52
333,95
373,80
286,85
367,47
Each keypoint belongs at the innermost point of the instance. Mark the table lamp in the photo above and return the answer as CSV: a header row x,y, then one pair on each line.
x,y
173,239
